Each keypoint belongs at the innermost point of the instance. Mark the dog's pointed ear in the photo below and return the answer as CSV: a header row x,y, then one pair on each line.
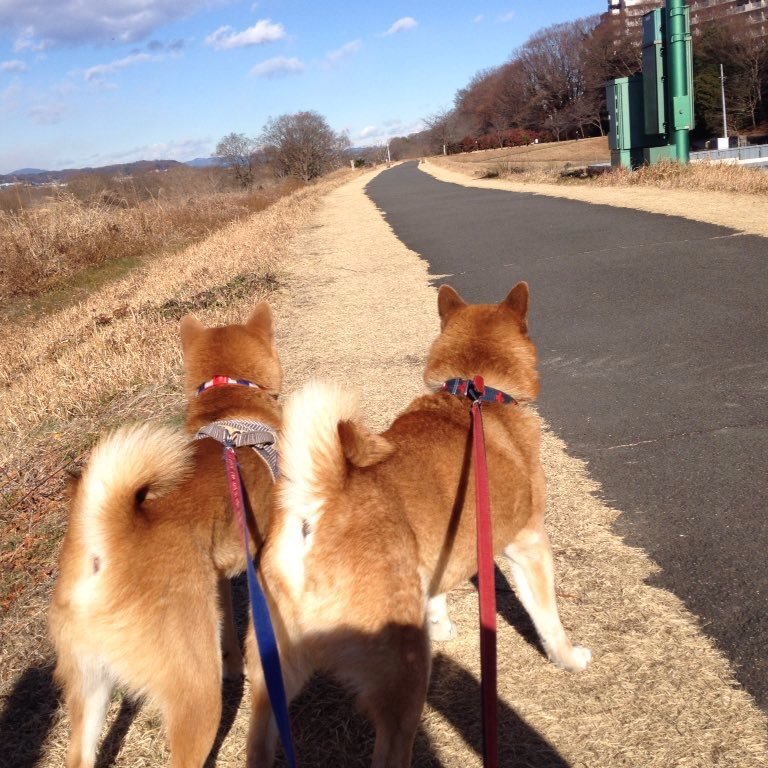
x,y
517,303
362,447
189,327
261,319
448,303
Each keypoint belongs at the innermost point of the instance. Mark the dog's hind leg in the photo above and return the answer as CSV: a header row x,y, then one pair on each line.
x,y
192,711
186,685
87,691
439,623
262,731
393,680
230,647
530,555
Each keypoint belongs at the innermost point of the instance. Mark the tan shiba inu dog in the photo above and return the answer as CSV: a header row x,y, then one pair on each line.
x,y
368,529
150,536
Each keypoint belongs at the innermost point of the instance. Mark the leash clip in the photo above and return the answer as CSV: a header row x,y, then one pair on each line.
x,y
476,389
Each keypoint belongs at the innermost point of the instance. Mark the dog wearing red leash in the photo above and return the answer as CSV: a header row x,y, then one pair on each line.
x,y
371,530
150,537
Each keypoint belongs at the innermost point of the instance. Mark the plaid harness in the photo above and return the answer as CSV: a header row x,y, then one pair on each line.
x,y
237,433
241,432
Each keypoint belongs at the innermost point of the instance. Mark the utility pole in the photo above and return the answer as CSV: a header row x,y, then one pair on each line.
x,y
722,94
389,158
678,39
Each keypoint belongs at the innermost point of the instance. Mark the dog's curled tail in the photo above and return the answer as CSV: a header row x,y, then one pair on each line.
x,y
126,467
321,439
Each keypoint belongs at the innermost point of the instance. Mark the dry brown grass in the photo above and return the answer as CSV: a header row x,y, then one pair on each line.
x,y
40,246
534,157
699,176
741,211
714,177
21,196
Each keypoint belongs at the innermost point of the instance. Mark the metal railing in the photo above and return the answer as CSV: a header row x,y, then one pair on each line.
x,y
754,152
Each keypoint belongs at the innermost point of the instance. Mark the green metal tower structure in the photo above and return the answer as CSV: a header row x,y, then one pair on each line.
x,y
680,68
651,114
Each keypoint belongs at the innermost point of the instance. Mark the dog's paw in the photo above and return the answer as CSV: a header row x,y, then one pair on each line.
x,y
576,660
442,629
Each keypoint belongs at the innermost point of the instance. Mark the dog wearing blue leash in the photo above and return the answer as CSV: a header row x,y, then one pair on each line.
x,y
151,536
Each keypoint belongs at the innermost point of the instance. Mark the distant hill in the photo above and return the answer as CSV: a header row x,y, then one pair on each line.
x,y
27,172
204,162
39,176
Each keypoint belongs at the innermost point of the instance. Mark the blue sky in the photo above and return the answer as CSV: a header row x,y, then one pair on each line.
x,y
95,82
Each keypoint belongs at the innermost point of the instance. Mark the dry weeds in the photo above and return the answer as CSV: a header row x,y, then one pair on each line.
x,y
701,176
358,307
743,211
546,164
552,154
42,245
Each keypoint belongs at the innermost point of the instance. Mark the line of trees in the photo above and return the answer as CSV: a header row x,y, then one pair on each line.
x,y
553,86
300,145
744,56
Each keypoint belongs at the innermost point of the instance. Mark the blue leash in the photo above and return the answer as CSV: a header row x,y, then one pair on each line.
x,y
262,622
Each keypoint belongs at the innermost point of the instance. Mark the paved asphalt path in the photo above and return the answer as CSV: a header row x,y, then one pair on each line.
x,y
653,342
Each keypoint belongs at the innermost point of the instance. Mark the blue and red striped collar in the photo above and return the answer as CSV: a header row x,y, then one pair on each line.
x,y
475,389
221,381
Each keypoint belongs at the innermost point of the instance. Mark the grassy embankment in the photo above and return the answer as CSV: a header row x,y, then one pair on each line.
x,y
563,163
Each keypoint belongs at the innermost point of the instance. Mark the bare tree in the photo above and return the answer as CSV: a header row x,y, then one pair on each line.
x,y
609,52
236,150
444,129
303,145
555,62
476,104
751,57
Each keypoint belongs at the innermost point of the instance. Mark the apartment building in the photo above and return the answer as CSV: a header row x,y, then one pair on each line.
x,y
752,13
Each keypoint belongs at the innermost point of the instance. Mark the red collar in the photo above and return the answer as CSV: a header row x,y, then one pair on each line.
x,y
222,381
476,390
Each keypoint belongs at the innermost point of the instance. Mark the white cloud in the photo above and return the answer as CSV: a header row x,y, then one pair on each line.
x,y
373,135
480,17
346,50
26,42
47,114
407,22
277,67
41,24
261,32
99,71
15,65
504,18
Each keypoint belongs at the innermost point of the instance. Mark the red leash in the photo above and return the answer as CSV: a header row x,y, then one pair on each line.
x,y
486,587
